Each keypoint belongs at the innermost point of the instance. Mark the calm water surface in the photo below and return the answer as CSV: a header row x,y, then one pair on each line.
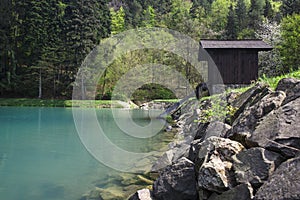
x,y
41,156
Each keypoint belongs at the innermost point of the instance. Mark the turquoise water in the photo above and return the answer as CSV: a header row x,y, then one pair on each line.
x,y
42,157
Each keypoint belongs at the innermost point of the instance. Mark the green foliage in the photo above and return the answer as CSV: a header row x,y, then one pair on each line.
x,y
152,91
290,7
217,111
219,13
231,26
290,45
256,13
273,81
117,20
268,10
149,17
43,43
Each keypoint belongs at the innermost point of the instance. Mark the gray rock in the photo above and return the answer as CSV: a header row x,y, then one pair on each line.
x,y
291,87
255,165
240,192
216,128
177,182
194,150
286,84
283,184
200,133
177,151
246,123
247,98
214,175
215,157
163,161
279,131
144,194
223,147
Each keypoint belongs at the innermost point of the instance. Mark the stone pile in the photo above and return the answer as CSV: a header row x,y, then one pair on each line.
x,y
254,155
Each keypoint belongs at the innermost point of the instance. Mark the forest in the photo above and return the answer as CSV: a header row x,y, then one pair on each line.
x,y
43,43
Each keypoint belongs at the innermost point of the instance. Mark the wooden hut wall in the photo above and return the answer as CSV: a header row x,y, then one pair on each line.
x,y
236,66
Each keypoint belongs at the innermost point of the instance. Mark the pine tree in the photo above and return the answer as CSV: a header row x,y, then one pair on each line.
x,y
85,23
7,60
289,7
268,10
149,17
241,15
231,28
256,13
133,13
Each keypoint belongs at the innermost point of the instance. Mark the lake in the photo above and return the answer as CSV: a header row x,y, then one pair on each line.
x,y
42,156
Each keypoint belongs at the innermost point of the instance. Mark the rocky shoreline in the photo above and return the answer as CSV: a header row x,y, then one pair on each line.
x,y
252,153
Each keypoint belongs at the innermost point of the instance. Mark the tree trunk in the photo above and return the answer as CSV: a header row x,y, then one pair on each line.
x,y
40,84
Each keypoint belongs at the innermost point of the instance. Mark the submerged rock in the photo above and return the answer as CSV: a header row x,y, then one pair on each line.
x,y
92,195
284,183
177,182
144,194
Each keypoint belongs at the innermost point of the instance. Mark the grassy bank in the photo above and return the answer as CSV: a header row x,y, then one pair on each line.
x,y
272,81
56,103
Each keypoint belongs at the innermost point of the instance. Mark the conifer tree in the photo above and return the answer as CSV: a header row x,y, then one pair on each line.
x,y
255,14
268,10
231,29
289,7
241,15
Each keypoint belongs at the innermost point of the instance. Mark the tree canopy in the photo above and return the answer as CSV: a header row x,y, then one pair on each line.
x,y
43,43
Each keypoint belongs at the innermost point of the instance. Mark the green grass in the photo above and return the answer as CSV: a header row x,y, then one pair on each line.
x,y
56,103
273,81
166,100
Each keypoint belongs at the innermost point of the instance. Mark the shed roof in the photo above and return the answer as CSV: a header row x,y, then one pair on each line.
x,y
235,44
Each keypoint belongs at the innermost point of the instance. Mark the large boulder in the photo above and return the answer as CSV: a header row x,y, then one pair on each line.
x,y
283,184
214,175
248,98
215,161
176,182
144,194
247,122
279,131
240,192
176,151
291,87
216,128
255,165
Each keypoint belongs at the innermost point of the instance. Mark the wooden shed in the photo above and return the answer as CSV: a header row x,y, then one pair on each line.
x,y
236,60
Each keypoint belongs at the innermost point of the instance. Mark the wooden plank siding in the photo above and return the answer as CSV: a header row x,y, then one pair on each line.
x,y
237,64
